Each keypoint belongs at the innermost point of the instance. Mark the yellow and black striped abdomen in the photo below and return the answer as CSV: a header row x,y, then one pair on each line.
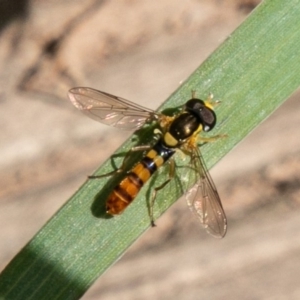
x,y
125,192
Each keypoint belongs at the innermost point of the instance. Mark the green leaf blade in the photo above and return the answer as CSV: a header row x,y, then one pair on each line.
x,y
252,72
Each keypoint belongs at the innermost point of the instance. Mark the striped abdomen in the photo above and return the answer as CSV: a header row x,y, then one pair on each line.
x,y
125,192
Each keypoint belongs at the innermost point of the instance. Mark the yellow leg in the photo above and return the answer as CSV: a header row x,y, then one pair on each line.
x,y
171,176
209,100
193,94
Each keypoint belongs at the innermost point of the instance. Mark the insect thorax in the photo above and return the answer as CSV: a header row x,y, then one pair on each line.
x,y
183,127
196,116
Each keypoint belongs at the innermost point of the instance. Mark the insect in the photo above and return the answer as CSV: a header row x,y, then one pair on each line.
x,y
180,132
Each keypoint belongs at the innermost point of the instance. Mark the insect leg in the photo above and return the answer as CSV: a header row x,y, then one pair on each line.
x,y
122,168
193,94
209,100
171,176
201,139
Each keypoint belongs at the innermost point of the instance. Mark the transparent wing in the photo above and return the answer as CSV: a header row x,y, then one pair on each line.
x,y
203,198
109,109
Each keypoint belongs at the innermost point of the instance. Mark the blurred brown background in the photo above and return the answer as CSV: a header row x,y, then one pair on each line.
x,y
141,50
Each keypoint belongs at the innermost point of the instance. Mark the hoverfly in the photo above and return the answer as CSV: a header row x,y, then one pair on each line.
x,y
178,132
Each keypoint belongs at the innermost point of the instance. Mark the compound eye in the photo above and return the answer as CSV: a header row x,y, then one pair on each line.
x,y
194,104
204,114
208,118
